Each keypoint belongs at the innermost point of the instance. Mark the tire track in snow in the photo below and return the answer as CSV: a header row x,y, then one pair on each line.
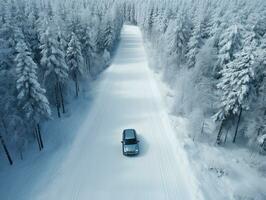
x,y
154,157
94,168
161,158
167,152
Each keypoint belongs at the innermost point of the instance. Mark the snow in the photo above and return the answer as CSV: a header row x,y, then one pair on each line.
x,y
224,172
83,155
262,139
229,171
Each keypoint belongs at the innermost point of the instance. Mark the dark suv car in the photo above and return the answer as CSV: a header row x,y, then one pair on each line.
x,y
130,142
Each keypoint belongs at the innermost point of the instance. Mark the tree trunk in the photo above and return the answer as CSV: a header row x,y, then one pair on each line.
x,y
37,138
40,135
89,63
21,154
6,150
62,98
258,133
57,101
76,84
237,125
89,68
4,125
202,128
218,140
225,138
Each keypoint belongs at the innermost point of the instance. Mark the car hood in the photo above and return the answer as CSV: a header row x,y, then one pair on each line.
x,y
130,147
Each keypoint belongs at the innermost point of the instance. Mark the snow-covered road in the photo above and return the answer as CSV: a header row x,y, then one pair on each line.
x,y
95,168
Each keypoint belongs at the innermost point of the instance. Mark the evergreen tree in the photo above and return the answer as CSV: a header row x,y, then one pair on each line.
x,y
177,36
161,22
149,21
31,96
88,48
31,35
229,44
54,65
108,35
194,44
236,84
75,60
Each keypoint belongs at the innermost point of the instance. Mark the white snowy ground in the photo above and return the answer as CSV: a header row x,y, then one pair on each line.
x,y
226,172
83,160
229,172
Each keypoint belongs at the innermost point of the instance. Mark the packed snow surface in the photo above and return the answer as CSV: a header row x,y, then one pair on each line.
x,y
93,167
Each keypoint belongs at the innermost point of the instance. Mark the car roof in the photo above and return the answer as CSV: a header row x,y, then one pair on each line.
x,y
129,133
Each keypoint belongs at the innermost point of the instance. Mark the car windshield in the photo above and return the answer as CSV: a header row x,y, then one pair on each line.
x,y
130,141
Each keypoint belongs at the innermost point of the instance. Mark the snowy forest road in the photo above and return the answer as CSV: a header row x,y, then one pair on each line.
x,y
95,168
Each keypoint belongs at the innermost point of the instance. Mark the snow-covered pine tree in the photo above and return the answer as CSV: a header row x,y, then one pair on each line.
x,y
106,57
215,17
149,21
75,60
31,35
229,43
117,20
62,71
7,34
99,27
54,65
31,96
257,123
79,28
161,22
108,34
176,38
236,86
261,52
205,21
88,48
49,9
7,104
194,44
61,39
